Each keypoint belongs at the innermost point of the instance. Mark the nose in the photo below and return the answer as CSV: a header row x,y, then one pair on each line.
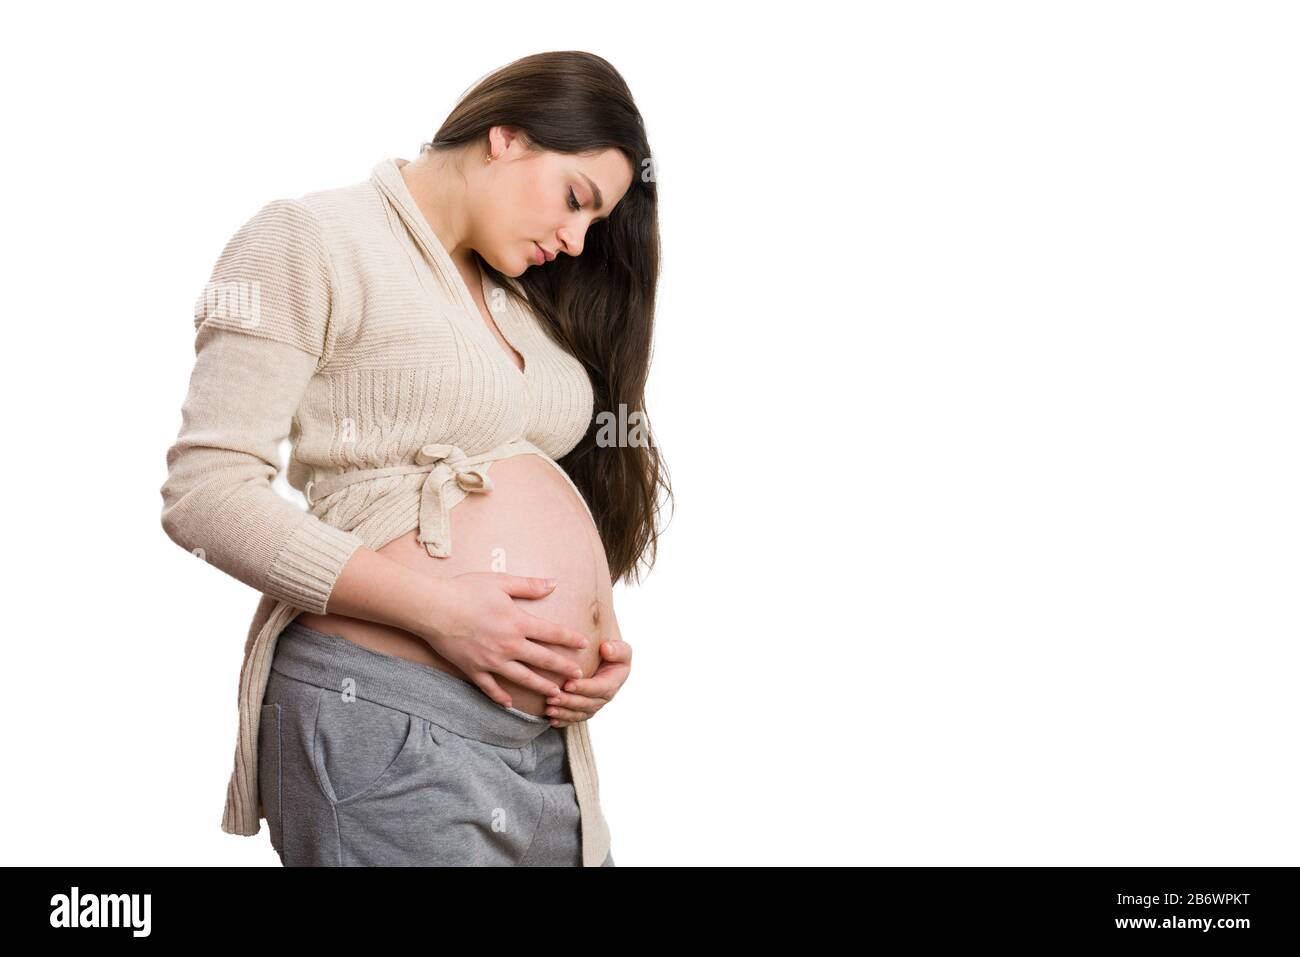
x,y
570,245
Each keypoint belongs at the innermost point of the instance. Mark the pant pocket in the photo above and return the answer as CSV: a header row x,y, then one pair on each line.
x,y
357,745
270,773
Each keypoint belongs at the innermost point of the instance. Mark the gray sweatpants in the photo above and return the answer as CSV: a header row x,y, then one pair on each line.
x,y
368,759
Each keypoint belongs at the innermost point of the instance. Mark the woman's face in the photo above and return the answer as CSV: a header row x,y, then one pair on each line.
x,y
542,199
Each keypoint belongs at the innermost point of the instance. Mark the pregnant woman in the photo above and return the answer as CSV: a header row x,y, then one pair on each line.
x,y
438,342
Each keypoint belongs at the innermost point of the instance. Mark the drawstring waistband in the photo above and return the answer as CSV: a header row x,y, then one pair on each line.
x,y
328,660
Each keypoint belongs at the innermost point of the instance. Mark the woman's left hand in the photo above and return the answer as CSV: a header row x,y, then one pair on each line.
x,y
580,698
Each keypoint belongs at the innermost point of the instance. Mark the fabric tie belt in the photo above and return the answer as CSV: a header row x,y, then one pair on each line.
x,y
451,472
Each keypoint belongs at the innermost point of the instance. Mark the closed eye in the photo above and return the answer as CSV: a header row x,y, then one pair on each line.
x,y
577,206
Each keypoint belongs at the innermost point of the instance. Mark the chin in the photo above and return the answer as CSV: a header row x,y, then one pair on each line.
x,y
505,272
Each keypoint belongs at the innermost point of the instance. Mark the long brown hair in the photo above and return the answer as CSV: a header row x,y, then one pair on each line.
x,y
599,305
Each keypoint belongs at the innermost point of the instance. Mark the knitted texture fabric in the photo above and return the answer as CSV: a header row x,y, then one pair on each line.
x,y
339,321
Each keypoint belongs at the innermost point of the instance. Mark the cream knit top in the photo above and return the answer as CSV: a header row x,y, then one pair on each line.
x,y
338,320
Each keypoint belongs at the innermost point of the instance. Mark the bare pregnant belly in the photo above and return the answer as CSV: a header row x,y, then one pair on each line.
x,y
531,523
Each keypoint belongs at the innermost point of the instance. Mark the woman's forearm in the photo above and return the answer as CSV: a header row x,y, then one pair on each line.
x,y
376,588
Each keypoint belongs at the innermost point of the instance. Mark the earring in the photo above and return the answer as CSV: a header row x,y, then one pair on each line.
x,y
489,159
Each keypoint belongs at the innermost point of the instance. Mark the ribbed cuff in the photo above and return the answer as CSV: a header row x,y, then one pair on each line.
x,y
306,569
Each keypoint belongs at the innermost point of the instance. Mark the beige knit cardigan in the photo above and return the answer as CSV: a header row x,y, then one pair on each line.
x,y
337,319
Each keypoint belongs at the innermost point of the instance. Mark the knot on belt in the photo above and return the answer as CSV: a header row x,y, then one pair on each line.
x,y
450,471
449,464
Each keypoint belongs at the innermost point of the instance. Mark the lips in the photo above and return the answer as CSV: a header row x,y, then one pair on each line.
x,y
541,251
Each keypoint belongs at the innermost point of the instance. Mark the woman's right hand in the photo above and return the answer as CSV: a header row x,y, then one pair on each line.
x,y
475,624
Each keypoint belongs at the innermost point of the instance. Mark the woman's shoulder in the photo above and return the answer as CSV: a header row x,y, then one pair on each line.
x,y
373,280
352,219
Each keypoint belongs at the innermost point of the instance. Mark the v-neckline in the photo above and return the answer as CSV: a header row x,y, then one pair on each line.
x,y
429,239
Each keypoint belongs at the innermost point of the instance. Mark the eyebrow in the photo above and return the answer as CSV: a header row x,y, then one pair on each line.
x,y
600,200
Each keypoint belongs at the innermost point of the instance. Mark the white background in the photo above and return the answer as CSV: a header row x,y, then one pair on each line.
x,y
975,375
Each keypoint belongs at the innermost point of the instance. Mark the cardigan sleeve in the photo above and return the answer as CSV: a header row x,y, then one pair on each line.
x,y
262,332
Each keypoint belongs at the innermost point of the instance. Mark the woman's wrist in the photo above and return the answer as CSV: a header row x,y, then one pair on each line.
x,y
374,587
419,609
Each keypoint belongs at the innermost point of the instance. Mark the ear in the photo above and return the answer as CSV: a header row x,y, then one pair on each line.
x,y
500,138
